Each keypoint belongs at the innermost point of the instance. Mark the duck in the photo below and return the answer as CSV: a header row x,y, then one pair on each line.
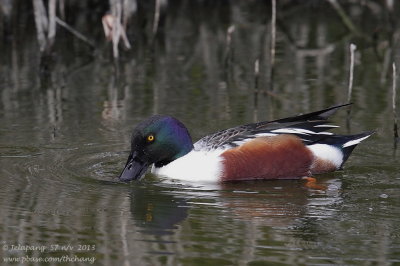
x,y
295,147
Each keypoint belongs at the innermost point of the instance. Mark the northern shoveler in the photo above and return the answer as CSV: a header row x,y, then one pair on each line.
x,y
288,148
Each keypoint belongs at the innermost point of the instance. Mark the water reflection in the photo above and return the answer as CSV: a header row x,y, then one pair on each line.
x,y
159,219
249,211
157,211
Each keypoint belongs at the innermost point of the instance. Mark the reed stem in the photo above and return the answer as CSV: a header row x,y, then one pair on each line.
x,y
51,34
74,32
41,22
156,16
395,127
346,20
353,47
256,77
273,42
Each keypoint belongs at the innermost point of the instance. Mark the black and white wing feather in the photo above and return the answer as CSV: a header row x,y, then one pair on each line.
x,y
309,127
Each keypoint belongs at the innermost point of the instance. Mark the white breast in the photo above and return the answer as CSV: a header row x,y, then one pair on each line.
x,y
198,166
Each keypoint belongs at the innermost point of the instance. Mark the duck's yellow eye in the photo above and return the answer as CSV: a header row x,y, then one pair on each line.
x,y
150,138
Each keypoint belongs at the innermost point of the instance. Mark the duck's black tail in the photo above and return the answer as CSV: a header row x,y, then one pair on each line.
x,y
346,143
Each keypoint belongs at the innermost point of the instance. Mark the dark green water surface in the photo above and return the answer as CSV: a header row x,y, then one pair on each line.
x,y
65,127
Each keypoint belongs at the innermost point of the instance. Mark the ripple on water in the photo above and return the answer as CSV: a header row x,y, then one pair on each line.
x,y
19,151
60,163
95,163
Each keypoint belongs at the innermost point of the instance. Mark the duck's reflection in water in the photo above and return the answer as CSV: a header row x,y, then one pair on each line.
x,y
156,210
280,203
161,207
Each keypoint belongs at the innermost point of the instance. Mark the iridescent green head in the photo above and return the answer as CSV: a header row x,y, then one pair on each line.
x,y
158,140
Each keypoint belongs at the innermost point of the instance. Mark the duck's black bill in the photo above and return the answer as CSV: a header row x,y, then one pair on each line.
x,y
134,169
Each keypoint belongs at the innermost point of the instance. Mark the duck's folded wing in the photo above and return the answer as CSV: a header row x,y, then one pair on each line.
x,y
310,127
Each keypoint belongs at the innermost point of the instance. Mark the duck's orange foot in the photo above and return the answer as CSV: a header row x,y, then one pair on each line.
x,y
311,182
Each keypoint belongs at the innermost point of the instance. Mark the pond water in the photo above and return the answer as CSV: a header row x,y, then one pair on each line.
x,y
66,122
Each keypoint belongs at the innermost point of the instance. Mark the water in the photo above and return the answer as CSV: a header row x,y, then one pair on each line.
x,y
65,128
